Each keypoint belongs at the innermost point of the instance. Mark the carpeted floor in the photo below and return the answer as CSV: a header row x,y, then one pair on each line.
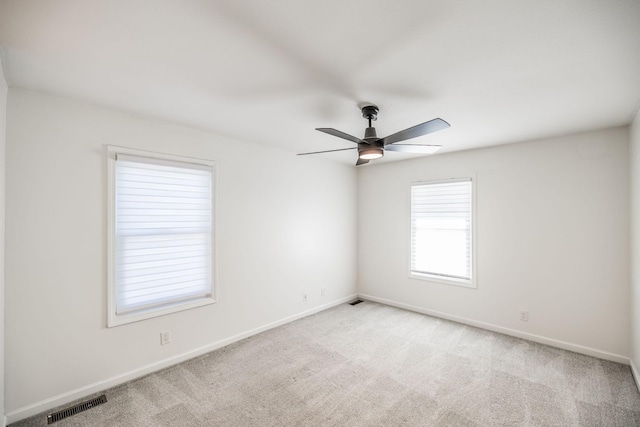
x,y
374,365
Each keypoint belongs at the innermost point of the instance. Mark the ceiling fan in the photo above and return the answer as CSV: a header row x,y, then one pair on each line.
x,y
371,147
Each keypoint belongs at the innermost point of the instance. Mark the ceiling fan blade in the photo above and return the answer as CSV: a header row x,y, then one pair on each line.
x,y
327,151
413,148
339,134
361,161
416,131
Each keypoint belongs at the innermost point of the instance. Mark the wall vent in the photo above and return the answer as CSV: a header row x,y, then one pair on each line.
x,y
358,301
75,409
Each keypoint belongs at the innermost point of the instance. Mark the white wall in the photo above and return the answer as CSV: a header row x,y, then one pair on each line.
x,y
552,238
3,122
634,156
285,225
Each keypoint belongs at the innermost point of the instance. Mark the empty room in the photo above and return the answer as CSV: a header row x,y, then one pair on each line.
x,y
319,213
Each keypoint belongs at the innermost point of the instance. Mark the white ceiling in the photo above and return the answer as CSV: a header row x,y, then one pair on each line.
x,y
271,71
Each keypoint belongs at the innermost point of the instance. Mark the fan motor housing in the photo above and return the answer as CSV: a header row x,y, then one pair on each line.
x,y
370,134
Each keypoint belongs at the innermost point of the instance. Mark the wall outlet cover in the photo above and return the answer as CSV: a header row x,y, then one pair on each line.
x,y
165,337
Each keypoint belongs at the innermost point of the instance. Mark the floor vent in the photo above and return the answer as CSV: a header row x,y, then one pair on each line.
x,y
358,301
76,409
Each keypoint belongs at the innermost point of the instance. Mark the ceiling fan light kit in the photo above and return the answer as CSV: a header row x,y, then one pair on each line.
x,y
371,147
370,153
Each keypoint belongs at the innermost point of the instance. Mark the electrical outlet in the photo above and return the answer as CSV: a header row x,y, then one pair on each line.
x,y
322,292
524,315
165,337
304,297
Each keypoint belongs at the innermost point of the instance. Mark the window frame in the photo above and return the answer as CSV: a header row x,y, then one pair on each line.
x,y
114,319
473,282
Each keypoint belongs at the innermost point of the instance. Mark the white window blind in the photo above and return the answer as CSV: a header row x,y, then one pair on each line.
x,y
163,233
441,229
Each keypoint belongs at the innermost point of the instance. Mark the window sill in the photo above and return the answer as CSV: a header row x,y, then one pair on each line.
x,y
437,279
123,319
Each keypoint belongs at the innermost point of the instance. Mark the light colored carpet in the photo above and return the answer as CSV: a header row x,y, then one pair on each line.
x,y
374,365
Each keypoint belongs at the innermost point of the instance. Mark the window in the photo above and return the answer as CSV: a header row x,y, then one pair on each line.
x,y
161,236
442,221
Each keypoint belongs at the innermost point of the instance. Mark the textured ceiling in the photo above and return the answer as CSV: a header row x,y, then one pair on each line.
x,y
271,71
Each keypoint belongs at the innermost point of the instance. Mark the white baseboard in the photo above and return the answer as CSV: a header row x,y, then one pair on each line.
x,y
634,371
600,354
73,395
